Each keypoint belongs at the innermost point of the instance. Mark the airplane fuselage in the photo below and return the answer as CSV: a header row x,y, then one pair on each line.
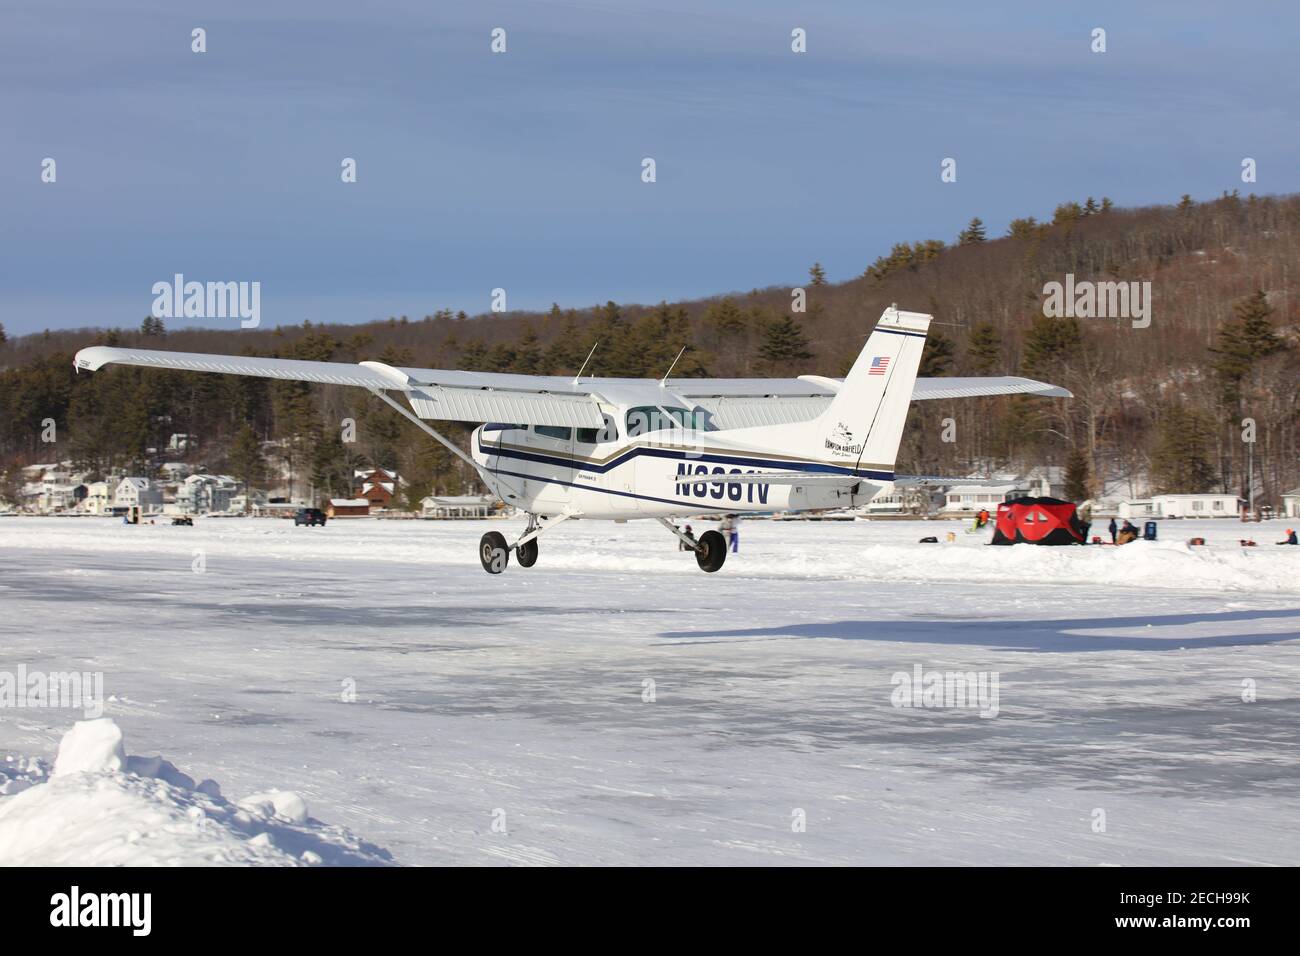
x,y
662,473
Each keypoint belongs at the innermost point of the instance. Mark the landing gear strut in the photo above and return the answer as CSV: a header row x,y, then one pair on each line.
x,y
494,552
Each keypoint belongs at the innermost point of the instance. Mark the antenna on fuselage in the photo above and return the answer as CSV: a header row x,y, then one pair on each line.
x,y
663,382
584,363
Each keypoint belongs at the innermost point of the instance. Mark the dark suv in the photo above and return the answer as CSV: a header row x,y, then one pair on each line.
x,y
309,517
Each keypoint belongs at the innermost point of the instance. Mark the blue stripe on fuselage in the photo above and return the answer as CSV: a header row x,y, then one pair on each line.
x,y
636,450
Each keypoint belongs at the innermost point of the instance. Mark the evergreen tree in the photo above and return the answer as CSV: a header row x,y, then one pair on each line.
x,y
1022,228
817,274
937,355
1049,345
984,349
152,327
1078,475
783,343
1181,462
1242,341
3,337
974,232
246,460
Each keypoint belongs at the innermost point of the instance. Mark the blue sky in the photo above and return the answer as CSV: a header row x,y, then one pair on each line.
x,y
522,170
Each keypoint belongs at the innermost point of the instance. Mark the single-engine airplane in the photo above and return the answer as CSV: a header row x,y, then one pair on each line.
x,y
621,448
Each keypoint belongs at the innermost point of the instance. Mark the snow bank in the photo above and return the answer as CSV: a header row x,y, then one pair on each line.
x,y
100,807
1140,564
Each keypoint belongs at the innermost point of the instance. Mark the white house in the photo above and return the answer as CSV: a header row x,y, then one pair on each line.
x,y
99,498
457,506
905,501
1197,506
138,492
202,494
1209,505
963,500
1291,503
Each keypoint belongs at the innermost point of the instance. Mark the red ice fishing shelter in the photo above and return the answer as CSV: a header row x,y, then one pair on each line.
x,y
1037,521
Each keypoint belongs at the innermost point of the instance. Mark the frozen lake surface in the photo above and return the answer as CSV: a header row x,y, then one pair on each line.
x,y
615,705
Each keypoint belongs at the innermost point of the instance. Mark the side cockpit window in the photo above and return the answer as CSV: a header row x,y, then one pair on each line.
x,y
652,418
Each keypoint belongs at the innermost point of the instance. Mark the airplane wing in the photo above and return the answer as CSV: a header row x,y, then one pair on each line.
x,y
454,395
742,403
448,395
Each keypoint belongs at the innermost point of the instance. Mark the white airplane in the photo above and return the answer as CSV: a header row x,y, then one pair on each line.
x,y
621,448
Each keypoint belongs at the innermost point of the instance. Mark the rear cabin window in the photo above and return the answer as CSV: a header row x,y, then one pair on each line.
x,y
594,436
554,431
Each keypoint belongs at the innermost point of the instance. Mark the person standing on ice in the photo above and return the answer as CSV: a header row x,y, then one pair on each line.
x,y
730,528
681,545
1113,529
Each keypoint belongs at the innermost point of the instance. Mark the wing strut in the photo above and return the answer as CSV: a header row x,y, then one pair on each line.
x,y
447,443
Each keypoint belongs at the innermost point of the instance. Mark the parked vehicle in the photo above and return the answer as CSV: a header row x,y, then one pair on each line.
x,y
183,520
309,517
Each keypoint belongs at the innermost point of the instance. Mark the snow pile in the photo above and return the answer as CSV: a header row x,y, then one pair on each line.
x,y
1140,564
100,807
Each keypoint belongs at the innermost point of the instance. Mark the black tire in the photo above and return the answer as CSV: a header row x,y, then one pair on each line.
x,y
526,554
493,552
712,551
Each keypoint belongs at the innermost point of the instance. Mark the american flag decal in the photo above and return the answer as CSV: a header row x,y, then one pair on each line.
x,y
879,365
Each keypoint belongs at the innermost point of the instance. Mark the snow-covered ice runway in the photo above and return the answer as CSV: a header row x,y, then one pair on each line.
x,y
526,701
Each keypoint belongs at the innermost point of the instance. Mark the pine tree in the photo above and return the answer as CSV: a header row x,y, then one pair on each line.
x,y
1022,228
783,342
984,348
1244,339
817,274
1181,462
3,337
937,355
1078,477
246,460
974,232
1049,345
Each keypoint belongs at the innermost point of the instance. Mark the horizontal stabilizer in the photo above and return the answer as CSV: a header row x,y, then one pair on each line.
x,y
922,480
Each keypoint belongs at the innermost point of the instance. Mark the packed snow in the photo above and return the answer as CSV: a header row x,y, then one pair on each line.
x,y
614,704
100,807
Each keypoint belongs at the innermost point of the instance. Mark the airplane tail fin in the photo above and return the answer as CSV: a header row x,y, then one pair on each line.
x,y
864,423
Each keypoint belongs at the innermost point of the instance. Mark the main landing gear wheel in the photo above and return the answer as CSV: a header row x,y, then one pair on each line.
x,y
712,551
493,552
526,554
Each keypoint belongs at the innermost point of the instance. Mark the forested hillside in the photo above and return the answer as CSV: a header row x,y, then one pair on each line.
x,y
1159,408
